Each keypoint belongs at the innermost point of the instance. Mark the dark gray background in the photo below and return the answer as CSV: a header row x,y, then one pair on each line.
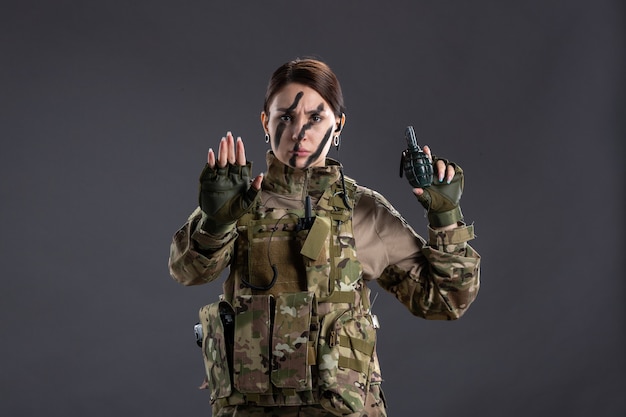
x,y
108,109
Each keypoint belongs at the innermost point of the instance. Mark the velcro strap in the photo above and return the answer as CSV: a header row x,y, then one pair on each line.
x,y
353,364
340,297
357,344
455,236
445,218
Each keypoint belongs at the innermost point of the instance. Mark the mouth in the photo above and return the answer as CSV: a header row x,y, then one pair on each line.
x,y
299,152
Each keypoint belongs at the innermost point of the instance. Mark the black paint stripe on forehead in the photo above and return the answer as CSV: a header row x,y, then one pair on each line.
x,y
313,157
294,104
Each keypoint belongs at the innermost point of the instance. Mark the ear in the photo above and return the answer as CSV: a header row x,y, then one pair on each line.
x,y
264,122
340,122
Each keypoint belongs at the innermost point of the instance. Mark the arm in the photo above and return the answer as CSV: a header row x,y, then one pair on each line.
x,y
437,279
197,257
445,285
451,279
203,247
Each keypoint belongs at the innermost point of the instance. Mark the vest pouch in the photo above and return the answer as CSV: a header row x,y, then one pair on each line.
x,y
291,350
274,263
217,327
251,343
344,358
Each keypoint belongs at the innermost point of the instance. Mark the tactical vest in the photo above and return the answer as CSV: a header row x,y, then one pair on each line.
x,y
293,326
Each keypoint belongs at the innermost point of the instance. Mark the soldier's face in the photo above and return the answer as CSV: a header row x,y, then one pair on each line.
x,y
301,125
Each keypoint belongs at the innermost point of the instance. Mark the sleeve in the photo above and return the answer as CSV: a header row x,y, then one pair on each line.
x,y
438,279
196,257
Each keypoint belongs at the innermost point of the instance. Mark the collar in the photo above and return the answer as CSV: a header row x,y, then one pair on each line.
x,y
283,179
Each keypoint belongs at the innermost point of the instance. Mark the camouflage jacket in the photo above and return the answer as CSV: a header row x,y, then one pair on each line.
x,y
437,279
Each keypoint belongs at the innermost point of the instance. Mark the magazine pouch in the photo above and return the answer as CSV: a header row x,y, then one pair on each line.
x,y
217,327
291,347
251,343
345,351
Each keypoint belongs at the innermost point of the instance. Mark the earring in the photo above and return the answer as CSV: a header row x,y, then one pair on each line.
x,y
267,138
336,141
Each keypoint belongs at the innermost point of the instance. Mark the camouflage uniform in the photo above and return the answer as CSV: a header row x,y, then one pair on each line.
x,y
293,332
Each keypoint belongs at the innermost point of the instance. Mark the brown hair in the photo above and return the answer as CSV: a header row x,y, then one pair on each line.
x,y
312,73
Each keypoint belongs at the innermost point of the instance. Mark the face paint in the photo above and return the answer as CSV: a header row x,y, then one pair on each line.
x,y
279,133
295,102
292,160
303,131
306,119
281,126
307,126
320,148
296,147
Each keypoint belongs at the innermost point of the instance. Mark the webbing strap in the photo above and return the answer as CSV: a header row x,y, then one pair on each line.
x,y
357,344
348,297
451,237
353,364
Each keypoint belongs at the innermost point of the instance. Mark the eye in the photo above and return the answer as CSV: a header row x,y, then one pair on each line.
x,y
316,118
285,118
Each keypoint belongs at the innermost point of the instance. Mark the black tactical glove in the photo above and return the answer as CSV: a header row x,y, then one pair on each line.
x,y
442,199
225,196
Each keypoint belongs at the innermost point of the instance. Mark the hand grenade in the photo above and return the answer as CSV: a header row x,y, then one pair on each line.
x,y
415,163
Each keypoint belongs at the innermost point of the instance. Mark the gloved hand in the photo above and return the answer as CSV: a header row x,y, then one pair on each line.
x,y
442,198
225,195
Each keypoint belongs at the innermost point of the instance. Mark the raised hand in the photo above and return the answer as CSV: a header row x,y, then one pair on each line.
x,y
226,192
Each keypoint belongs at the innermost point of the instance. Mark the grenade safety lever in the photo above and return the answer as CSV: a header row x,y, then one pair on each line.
x,y
415,163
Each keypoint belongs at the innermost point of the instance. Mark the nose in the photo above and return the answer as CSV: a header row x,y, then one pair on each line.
x,y
299,131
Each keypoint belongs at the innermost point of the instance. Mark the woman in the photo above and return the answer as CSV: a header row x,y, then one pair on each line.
x,y
293,333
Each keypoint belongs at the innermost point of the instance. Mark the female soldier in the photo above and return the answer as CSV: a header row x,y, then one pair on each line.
x,y
293,333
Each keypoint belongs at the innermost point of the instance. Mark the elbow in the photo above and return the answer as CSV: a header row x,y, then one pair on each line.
x,y
186,274
458,299
444,307
179,275
458,306
187,278
456,314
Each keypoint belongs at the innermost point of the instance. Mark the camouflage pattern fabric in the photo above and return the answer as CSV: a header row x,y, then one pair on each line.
x,y
291,365
307,345
251,356
374,407
215,348
284,319
448,282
